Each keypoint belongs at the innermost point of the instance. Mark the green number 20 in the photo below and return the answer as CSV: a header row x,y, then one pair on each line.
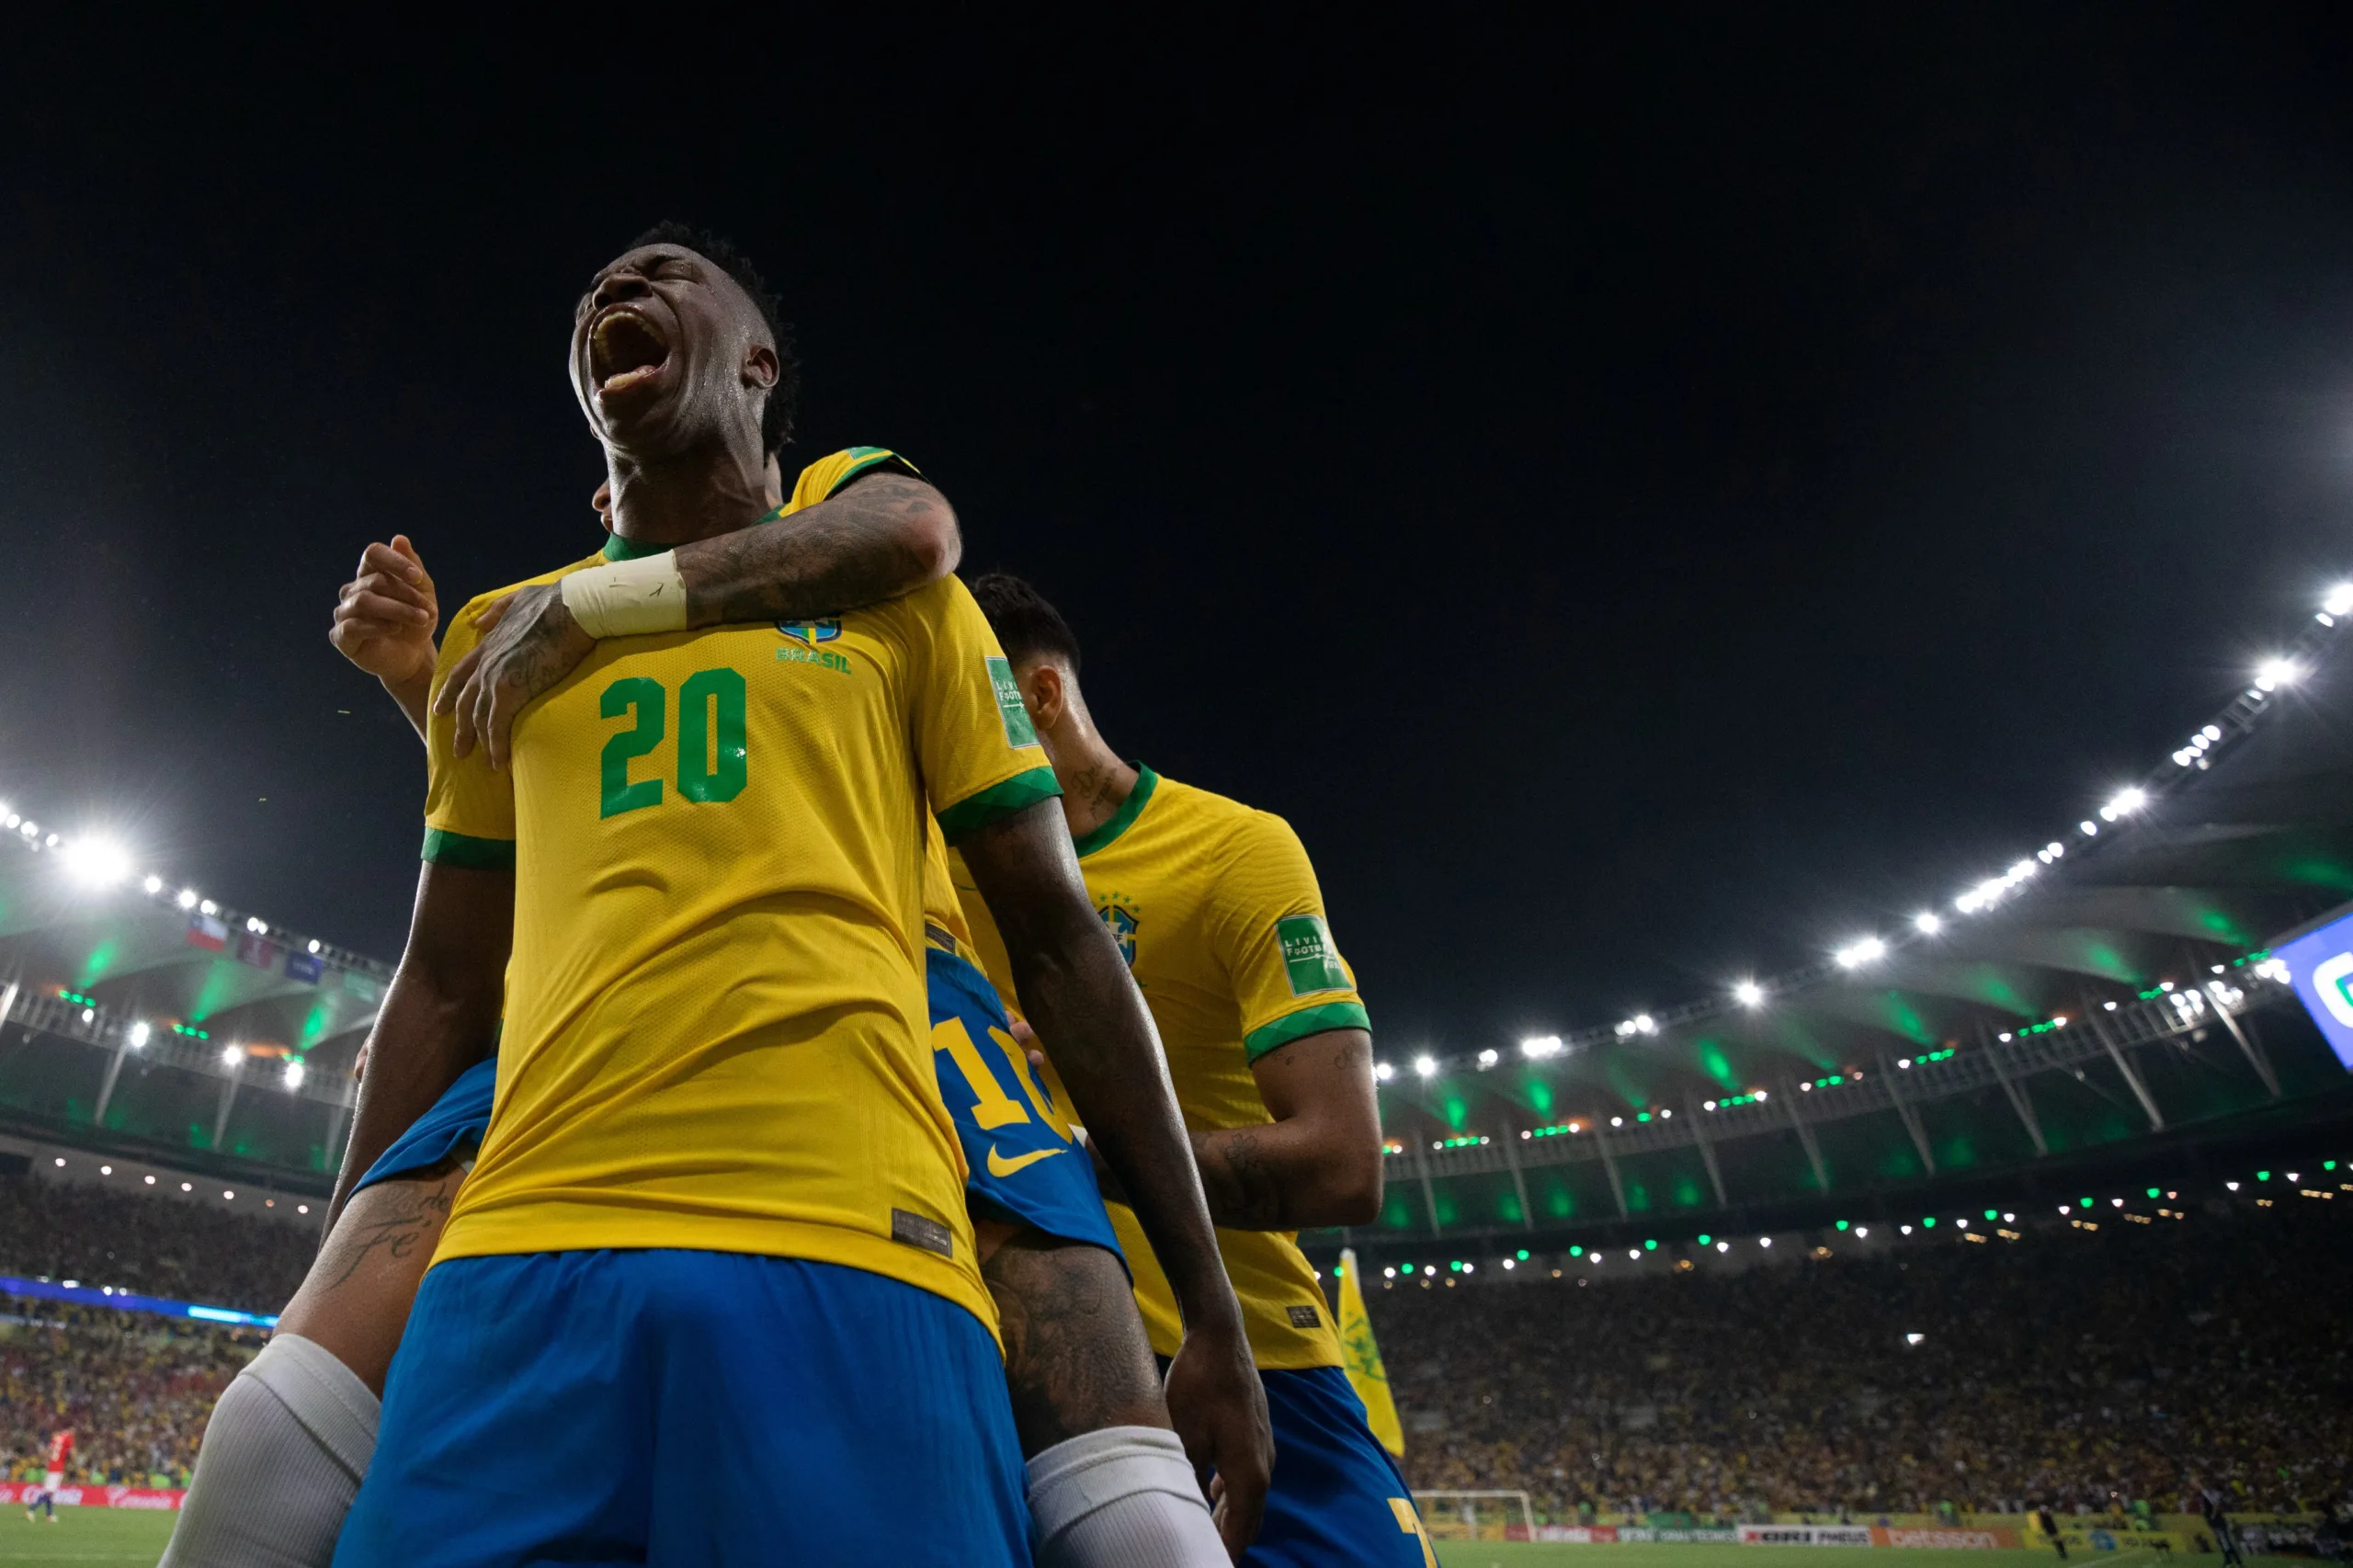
x,y
711,761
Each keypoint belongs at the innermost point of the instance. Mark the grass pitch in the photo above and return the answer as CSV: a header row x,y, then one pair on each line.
x,y
124,1538
84,1538
1710,1554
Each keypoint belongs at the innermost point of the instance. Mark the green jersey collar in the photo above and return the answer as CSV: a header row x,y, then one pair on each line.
x,y
619,548
1124,818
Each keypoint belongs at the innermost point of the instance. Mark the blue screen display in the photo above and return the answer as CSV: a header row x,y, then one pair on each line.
x,y
2320,966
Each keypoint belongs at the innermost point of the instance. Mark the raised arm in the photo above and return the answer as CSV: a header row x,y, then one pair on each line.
x,y
1077,992
883,535
441,1015
1318,1162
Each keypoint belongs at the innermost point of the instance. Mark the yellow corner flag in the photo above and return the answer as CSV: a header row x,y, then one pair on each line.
x,y
1360,1359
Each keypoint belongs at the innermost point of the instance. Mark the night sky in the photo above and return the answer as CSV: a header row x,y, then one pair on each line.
x,y
1645,505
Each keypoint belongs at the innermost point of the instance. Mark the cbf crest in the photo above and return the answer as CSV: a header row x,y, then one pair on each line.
x,y
810,632
1123,921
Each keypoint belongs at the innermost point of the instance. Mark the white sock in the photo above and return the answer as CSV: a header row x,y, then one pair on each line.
x,y
1122,1497
280,1463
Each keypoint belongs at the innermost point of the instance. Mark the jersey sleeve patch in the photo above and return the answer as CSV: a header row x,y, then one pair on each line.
x,y
998,801
1305,1022
1010,708
466,852
1310,960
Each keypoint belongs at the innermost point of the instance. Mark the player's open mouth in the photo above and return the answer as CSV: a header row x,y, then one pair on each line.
x,y
624,351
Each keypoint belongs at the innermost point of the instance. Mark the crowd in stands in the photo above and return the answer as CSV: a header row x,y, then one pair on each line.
x,y
136,1389
155,1244
2086,1371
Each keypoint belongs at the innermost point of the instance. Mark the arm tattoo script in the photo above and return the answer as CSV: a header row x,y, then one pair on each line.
x,y
398,1234
1244,1188
845,553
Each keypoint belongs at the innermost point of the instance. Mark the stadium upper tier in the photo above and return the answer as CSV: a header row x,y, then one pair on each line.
x,y
2112,984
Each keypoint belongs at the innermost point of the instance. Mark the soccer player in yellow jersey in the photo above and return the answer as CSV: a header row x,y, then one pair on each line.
x,y
1217,912
719,1185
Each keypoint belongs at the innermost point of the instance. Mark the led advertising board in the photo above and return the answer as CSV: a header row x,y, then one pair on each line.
x,y
2320,966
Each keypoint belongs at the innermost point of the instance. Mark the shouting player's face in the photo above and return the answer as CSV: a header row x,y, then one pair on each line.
x,y
668,353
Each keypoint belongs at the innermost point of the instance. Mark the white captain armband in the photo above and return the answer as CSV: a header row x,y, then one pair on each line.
x,y
629,599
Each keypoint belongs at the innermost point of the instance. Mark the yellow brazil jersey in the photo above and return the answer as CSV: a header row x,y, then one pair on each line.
x,y
716,1034
1216,910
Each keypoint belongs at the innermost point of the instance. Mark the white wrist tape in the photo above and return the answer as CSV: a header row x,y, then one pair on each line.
x,y
629,599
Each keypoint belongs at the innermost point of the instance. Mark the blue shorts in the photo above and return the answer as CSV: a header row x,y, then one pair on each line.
x,y
689,1407
1026,1169
1339,1500
452,1128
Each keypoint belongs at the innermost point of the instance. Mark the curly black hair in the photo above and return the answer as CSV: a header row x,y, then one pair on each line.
x,y
784,398
1026,624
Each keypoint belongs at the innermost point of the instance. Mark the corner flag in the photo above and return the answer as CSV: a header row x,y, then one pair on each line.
x,y
1360,1359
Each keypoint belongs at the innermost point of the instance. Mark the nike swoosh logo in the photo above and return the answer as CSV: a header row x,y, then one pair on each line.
x,y
1000,1167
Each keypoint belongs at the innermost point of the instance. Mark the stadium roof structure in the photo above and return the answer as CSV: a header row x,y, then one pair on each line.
x,y
2108,991
138,1017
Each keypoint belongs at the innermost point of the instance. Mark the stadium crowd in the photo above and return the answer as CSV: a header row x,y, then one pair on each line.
x,y
152,1243
2085,1371
135,1389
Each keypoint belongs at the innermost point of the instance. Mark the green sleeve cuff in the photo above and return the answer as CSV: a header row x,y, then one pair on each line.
x,y
1306,1021
998,801
443,848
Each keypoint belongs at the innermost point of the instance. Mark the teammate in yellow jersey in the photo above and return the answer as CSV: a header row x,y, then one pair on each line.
x,y
719,1181
1216,909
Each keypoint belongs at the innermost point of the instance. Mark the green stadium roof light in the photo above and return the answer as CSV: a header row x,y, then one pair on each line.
x,y
2083,1202
1842,1225
1577,1252
1523,1254
1996,1213
1649,1246
2153,1191
2263,1175
1930,1221
1705,1239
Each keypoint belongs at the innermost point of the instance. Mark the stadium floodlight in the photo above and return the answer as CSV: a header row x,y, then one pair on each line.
x,y
1764,1241
2340,600
1724,1246
1616,1121
2088,828
2124,803
138,1035
2231,1185
1706,1105
2273,674
1488,1059
95,862
1914,1338
1927,923
186,899
150,884
232,1055
1748,994
257,925
293,1075
1384,1071
1645,1024
1539,1046
1760,1094
314,944
1907,1230
207,907
1863,1230
1425,1067
1866,951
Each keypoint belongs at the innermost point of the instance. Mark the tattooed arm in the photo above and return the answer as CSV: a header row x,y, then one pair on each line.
x,y
1318,1162
882,535
885,535
440,1014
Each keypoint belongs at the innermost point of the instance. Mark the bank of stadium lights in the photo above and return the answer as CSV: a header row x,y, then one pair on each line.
x,y
138,1035
1538,1048
232,1055
1748,994
1641,1023
1488,1059
1928,922
1869,950
1384,1071
294,1071
1425,1067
